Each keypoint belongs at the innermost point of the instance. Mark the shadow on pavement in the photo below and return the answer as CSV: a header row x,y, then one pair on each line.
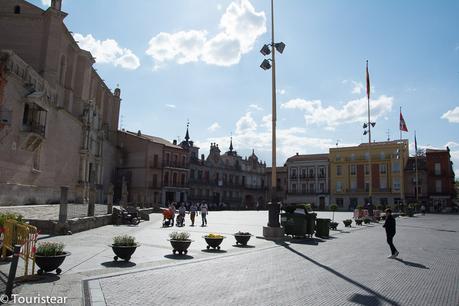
x,y
307,241
38,278
367,300
373,294
179,257
118,264
243,246
411,264
213,251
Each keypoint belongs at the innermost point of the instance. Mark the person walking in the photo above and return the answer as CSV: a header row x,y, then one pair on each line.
x,y
193,209
172,209
204,211
389,225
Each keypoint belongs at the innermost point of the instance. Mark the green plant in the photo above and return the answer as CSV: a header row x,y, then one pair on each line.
x,y
347,222
7,215
360,207
50,248
124,240
333,208
179,236
243,233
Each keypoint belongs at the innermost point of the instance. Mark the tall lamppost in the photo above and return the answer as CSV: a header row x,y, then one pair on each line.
x,y
274,207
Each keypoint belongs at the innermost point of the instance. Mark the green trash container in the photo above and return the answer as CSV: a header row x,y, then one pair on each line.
x,y
294,224
322,228
311,222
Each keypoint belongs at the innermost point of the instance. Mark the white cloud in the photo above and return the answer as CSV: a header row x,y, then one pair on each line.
x,y
108,51
255,107
219,7
267,121
170,106
281,91
246,124
214,126
46,2
240,26
331,117
358,87
452,115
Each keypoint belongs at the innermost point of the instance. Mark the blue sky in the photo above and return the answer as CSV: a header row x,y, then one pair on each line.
x,y
199,60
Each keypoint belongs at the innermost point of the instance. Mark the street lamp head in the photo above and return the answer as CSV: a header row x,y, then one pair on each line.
x,y
279,47
365,132
265,50
365,125
265,65
373,124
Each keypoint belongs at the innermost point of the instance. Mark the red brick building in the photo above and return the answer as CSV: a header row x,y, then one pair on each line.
x,y
440,180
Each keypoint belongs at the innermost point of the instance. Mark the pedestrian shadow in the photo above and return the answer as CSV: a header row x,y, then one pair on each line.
x,y
178,256
367,300
373,294
118,264
38,278
305,241
411,264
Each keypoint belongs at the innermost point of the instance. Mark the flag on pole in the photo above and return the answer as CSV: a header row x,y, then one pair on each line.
x,y
415,144
368,83
403,126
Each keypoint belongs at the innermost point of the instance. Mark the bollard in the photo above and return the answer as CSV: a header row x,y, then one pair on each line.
x,y
13,268
63,207
92,201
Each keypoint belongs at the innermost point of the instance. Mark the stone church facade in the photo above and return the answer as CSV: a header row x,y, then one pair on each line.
x,y
58,119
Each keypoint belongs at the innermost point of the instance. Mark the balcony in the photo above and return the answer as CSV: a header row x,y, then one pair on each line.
x,y
171,164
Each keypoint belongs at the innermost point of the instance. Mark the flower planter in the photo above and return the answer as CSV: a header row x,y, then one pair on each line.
x,y
213,243
180,246
123,251
242,239
333,225
366,221
347,223
358,221
50,263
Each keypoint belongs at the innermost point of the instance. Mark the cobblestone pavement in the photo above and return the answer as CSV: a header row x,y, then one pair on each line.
x,y
350,268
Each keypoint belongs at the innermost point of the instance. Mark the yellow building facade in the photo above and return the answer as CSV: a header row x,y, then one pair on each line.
x,y
351,174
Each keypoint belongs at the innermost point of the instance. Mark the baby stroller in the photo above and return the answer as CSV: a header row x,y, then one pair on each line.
x,y
180,220
167,217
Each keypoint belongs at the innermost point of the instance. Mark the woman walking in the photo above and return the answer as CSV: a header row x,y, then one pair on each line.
x,y
389,225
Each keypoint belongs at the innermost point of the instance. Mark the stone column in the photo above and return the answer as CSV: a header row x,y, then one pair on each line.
x,y
63,204
124,193
92,201
110,199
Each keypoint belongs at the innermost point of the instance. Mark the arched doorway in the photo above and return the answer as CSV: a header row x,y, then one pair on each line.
x,y
249,201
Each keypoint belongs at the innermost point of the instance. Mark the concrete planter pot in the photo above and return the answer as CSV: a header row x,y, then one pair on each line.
x,y
242,239
180,246
213,243
50,263
123,251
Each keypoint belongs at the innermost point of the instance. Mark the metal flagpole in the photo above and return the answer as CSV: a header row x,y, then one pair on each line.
x,y
369,137
416,166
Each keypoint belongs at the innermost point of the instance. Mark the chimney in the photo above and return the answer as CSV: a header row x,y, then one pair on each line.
x,y
202,157
174,142
139,133
56,4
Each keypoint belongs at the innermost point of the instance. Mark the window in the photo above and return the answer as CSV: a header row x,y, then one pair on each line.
x,y
36,159
303,173
303,188
312,188
395,166
321,172
192,174
199,174
322,187
367,171
338,157
339,186
155,161
437,169
438,186
174,179
182,181
353,169
382,184
17,9
293,173
367,186
396,184
311,172
382,168
367,156
154,183
166,179
293,187
352,156
340,202
183,160
382,156
338,170
353,184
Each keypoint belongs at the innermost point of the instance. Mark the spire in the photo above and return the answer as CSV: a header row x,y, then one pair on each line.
x,y
187,135
231,144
